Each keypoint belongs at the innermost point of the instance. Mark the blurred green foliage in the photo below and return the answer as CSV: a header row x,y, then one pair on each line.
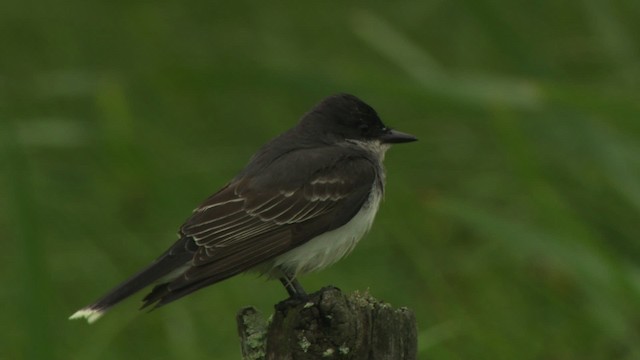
x,y
511,228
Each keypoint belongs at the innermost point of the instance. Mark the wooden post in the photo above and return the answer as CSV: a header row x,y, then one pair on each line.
x,y
330,325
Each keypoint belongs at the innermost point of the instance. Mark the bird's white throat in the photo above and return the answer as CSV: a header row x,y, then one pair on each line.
x,y
375,147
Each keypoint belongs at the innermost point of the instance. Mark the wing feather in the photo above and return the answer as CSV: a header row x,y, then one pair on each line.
x,y
221,221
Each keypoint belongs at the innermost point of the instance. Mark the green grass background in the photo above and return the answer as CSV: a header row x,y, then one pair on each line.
x,y
512,227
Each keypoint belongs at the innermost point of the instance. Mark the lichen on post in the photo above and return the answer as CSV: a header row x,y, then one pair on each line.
x,y
330,325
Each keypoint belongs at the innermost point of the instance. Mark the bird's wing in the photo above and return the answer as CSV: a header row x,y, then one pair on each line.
x,y
254,219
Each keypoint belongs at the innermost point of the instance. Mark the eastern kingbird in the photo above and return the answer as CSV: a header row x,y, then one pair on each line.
x,y
302,203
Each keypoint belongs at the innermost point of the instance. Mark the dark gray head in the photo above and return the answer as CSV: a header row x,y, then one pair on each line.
x,y
345,117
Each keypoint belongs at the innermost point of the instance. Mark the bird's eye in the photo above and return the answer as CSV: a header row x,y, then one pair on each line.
x,y
364,127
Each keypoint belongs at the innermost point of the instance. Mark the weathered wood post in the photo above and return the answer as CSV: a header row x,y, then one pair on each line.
x,y
330,325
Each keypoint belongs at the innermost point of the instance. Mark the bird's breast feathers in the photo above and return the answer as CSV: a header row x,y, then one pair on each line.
x,y
331,246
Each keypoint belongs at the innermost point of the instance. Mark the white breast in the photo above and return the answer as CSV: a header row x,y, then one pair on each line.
x,y
326,249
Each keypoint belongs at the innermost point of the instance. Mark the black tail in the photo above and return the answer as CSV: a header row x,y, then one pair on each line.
x,y
175,258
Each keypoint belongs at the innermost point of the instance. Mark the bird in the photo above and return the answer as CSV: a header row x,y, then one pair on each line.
x,y
302,202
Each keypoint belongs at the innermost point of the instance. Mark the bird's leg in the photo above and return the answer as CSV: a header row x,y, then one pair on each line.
x,y
292,286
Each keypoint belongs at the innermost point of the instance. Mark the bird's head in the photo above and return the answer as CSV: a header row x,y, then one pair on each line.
x,y
345,117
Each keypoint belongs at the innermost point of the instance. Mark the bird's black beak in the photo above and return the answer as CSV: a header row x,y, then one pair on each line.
x,y
396,137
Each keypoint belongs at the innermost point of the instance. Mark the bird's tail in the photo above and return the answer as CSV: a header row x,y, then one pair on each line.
x,y
165,265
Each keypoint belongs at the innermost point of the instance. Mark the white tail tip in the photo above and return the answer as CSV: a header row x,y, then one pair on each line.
x,y
92,315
